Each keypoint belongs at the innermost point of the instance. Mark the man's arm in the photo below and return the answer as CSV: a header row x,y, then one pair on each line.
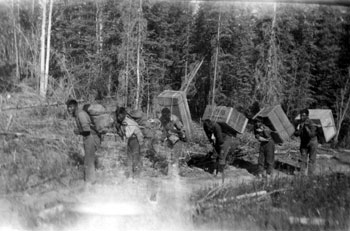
x,y
267,132
208,134
218,134
139,135
311,128
263,133
297,131
178,125
258,131
119,129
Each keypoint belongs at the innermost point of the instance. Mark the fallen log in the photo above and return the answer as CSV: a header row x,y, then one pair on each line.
x,y
257,196
11,108
29,136
15,134
249,195
325,156
307,221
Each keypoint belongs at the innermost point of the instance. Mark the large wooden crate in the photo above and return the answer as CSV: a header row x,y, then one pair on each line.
x,y
325,122
232,120
176,101
278,121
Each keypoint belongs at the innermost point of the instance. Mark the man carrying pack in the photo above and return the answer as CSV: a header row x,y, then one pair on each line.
x,y
266,158
307,131
175,135
129,129
222,143
147,130
91,139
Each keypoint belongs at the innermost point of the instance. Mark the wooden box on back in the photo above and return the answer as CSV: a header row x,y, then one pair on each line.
x,y
176,101
232,120
278,121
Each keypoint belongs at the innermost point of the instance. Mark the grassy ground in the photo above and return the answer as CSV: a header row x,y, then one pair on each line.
x,y
37,149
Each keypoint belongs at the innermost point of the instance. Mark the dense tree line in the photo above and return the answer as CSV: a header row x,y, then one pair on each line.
x,y
293,55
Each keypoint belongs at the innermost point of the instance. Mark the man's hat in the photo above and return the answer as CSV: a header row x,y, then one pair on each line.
x,y
165,111
304,111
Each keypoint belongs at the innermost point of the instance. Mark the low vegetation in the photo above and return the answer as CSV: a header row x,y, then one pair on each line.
x,y
301,203
37,148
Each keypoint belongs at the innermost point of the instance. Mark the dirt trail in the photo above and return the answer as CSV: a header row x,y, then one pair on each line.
x,y
149,203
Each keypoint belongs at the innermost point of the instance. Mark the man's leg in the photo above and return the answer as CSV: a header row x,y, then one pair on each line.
x,y
137,158
312,158
176,152
304,160
148,148
216,158
89,158
261,159
97,141
225,148
133,155
270,157
129,160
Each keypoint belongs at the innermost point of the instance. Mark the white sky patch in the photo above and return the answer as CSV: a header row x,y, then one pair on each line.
x,y
195,4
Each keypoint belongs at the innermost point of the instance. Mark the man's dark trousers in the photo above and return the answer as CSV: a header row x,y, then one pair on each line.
x,y
91,143
308,157
266,157
134,156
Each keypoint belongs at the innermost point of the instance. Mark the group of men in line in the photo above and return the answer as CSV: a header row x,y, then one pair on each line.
x,y
135,130
137,134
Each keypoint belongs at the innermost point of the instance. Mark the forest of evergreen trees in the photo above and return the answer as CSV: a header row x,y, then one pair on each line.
x,y
290,54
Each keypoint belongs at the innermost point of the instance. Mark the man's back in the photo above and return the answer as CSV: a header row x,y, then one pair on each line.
x,y
83,121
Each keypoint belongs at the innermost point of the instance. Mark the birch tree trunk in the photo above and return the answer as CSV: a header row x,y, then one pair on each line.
x,y
42,51
187,44
127,56
99,27
99,43
48,46
274,83
216,60
15,41
138,87
342,106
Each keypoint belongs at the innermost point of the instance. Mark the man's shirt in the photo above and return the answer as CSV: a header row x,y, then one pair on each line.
x,y
307,132
132,128
83,121
217,132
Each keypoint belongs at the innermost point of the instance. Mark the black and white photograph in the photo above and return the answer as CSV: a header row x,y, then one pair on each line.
x,y
174,115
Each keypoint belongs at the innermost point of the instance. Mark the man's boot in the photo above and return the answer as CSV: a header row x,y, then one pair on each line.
x,y
221,168
221,172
